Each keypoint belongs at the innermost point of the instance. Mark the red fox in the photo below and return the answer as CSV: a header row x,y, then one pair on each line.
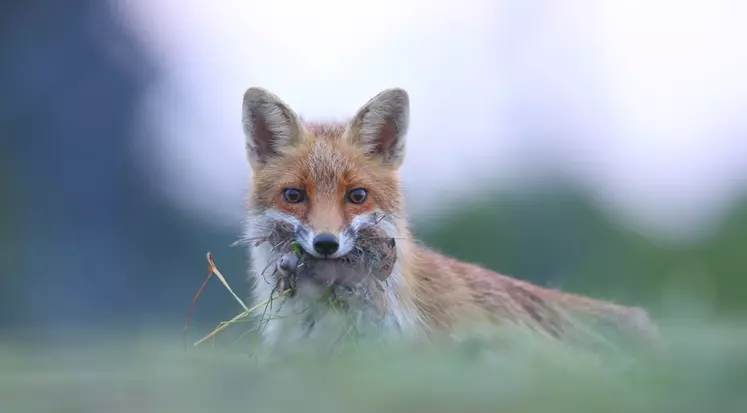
x,y
327,183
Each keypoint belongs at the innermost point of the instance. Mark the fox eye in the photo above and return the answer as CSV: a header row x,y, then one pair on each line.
x,y
357,195
293,195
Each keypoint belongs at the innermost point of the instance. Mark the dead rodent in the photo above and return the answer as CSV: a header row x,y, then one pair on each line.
x,y
359,274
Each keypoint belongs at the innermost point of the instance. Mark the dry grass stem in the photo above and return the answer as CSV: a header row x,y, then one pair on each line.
x,y
214,270
236,319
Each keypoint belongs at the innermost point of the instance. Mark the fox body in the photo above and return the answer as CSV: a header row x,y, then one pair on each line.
x,y
329,184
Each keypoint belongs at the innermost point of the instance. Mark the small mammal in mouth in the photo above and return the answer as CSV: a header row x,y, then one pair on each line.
x,y
360,274
325,209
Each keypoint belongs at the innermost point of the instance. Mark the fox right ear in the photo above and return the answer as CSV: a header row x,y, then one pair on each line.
x,y
380,126
270,126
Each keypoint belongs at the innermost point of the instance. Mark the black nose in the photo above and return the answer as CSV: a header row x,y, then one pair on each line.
x,y
326,244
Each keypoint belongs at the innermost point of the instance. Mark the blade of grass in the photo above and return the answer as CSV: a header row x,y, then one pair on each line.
x,y
217,273
194,302
243,314
222,325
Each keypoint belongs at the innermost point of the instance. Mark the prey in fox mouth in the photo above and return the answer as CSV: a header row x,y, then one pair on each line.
x,y
355,279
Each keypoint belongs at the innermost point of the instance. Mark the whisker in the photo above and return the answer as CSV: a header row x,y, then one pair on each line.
x,y
274,248
247,240
274,262
383,216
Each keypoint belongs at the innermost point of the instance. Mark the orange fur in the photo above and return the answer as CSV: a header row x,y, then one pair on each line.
x,y
326,166
438,293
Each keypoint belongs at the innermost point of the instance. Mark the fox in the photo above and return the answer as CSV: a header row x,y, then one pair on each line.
x,y
328,182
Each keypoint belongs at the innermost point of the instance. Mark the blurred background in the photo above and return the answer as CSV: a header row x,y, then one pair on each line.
x,y
599,146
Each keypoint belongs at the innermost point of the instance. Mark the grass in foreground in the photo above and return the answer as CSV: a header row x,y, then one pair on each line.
x,y
705,370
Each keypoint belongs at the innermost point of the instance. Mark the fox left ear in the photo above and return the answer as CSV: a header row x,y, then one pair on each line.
x,y
380,126
270,126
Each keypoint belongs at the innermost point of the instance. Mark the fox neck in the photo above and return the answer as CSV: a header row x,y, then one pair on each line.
x,y
400,315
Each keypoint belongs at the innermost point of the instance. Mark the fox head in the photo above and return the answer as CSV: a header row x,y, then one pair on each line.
x,y
327,180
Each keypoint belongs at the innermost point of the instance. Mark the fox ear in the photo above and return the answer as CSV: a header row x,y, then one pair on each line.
x,y
380,126
269,126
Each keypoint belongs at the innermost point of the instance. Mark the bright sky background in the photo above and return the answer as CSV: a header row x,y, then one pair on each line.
x,y
641,101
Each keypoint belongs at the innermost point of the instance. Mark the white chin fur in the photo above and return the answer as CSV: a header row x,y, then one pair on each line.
x,y
400,316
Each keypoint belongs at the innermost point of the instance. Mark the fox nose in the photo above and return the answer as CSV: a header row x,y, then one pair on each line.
x,y
326,244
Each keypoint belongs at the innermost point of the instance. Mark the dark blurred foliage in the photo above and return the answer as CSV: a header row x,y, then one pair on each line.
x,y
557,238
85,241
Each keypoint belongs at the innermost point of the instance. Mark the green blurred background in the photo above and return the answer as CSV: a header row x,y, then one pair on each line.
x,y
92,246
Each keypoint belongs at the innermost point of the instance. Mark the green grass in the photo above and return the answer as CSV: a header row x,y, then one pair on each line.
x,y
704,370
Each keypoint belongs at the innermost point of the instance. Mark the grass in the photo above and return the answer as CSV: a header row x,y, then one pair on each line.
x,y
506,370
704,370
244,316
250,314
